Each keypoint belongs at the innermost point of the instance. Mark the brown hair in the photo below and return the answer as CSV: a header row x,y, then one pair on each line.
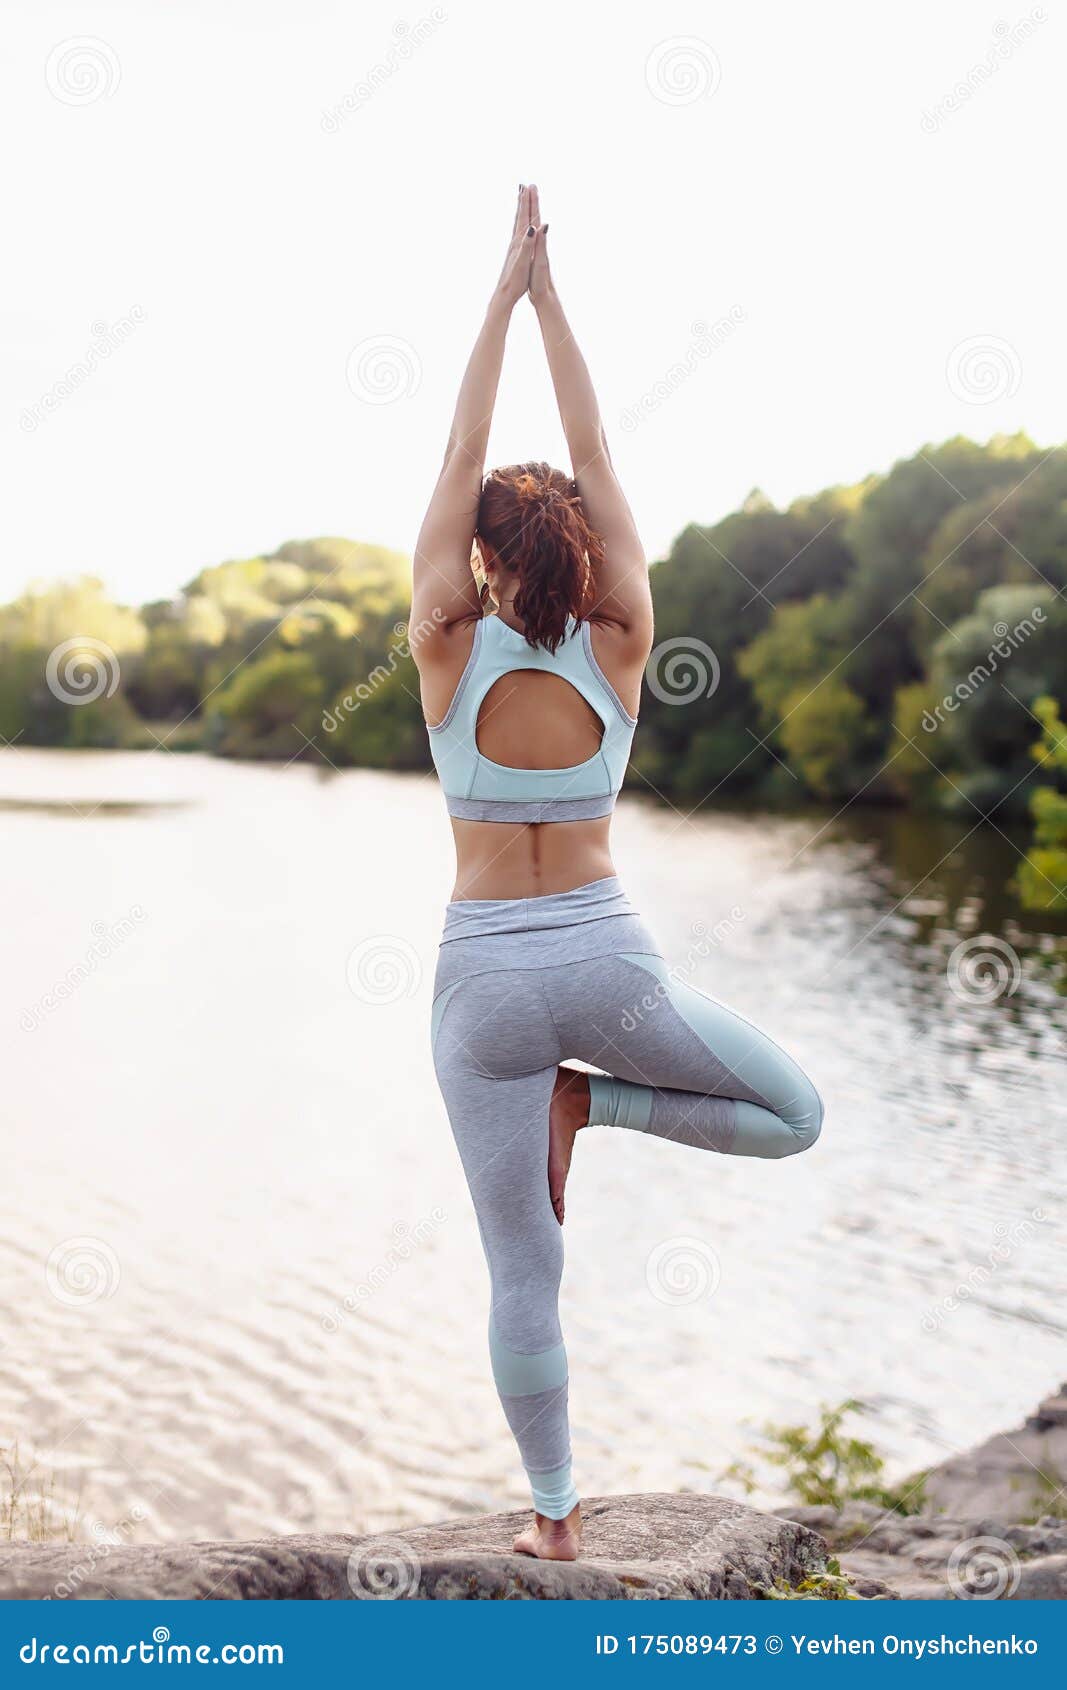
x,y
531,518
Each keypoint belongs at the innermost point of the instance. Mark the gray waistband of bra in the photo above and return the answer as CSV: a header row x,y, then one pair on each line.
x,y
531,809
480,917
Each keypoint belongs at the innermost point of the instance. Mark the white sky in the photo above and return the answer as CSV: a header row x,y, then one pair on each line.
x,y
261,247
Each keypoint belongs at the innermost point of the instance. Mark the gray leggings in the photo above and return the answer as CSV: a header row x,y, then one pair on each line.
x,y
523,984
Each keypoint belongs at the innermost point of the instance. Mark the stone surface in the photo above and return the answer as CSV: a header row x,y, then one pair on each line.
x,y
650,1547
935,1556
1017,1475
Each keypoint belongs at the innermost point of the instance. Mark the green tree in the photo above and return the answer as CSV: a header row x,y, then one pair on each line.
x,y
1042,878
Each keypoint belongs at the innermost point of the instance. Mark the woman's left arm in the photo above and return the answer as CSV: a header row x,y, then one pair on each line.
x,y
444,591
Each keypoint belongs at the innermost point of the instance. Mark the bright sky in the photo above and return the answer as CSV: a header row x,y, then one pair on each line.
x,y
893,278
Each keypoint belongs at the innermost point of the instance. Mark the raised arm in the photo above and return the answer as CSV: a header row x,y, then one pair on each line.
x,y
443,590
623,596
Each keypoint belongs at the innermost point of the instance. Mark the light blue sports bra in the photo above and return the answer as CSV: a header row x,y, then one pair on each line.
x,y
482,791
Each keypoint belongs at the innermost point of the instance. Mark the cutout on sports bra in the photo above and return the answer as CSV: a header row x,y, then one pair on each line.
x,y
530,720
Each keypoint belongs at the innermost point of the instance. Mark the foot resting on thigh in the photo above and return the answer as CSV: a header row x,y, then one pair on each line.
x,y
552,1540
568,1111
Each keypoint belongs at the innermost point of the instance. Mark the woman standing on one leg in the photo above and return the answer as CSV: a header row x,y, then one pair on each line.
x,y
530,684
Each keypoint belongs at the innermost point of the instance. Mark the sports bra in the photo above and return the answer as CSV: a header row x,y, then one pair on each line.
x,y
479,790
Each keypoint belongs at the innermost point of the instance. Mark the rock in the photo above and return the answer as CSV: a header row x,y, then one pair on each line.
x,y
651,1547
1015,1475
1043,1580
1053,1411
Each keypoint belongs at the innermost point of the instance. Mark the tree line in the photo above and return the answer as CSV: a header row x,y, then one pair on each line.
x,y
903,640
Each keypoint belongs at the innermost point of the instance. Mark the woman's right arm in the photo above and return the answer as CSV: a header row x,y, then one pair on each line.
x,y
623,596
443,588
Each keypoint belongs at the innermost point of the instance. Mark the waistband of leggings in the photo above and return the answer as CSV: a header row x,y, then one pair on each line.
x,y
479,918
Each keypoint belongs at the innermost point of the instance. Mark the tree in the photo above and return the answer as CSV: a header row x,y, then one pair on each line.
x,y
1042,878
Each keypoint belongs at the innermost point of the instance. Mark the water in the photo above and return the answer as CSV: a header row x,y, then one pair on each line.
x,y
243,1288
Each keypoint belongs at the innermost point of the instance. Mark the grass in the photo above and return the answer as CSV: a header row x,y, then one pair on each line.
x,y
29,1507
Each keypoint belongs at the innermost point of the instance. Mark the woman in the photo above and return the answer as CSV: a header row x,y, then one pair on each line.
x,y
530,689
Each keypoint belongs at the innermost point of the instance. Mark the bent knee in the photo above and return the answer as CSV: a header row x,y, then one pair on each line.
x,y
804,1119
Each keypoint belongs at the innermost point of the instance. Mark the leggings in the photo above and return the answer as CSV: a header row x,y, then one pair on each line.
x,y
523,984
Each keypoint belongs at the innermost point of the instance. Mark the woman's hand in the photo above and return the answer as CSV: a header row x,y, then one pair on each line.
x,y
515,276
541,287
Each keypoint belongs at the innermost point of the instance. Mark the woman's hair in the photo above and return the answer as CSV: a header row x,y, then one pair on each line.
x,y
531,519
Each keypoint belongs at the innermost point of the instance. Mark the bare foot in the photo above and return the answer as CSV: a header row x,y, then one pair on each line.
x,y
568,1111
552,1540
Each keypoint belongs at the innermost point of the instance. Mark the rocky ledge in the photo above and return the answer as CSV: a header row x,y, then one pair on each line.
x,y
651,1547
